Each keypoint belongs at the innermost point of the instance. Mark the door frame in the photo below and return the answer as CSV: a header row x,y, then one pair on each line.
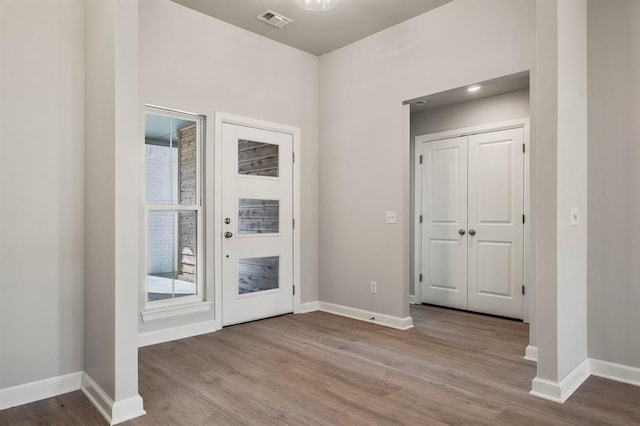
x,y
523,123
214,203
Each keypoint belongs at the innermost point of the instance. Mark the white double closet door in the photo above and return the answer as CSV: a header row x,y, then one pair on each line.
x,y
472,228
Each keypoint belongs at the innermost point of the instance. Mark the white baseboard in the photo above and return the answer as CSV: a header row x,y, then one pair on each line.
x,y
308,307
562,390
368,316
617,372
413,300
175,333
531,353
114,412
35,391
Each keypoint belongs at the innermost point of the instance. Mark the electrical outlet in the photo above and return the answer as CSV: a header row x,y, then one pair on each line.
x,y
391,216
374,287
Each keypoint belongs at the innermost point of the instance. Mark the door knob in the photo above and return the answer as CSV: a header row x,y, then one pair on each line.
x,y
472,232
461,231
227,220
228,234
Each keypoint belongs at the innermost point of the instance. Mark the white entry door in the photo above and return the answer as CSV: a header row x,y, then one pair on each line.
x,y
444,210
257,211
472,230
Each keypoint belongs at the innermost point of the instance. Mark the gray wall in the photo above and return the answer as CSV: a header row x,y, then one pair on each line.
x,y
42,209
365,158
113,199
614,179
508,106
226,69
504,107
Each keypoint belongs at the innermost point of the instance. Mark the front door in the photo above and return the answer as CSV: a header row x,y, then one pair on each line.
x,y
257,211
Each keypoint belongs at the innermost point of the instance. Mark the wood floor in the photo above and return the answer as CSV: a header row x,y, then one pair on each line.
x,y
453,368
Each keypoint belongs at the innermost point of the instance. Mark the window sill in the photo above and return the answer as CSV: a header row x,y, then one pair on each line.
x,y
174,311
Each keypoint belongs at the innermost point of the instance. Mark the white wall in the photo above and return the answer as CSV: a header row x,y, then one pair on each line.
x,y
365,158
494,109
614,176
192,62
41,189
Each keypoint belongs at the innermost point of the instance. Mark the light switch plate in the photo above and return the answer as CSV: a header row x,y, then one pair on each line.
x,y
391,216
575,216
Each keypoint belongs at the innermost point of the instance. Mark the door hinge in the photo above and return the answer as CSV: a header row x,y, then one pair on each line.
x,y
420,159
294,290
293,157
522,289
420,277
420,218
522,218
294,223
523,149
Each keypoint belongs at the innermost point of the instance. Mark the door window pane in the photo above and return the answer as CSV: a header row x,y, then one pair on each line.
x,y
258,216
257,158
258,274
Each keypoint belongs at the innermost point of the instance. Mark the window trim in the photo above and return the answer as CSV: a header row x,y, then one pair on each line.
x,y
158,309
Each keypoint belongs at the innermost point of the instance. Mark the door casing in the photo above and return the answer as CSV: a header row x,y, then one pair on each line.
x,y
213,188
523,123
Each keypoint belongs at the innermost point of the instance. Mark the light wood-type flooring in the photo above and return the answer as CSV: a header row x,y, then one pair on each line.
x,y
453,368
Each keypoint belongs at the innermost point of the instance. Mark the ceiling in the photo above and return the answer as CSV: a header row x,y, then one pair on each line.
x,y
315,32
494,87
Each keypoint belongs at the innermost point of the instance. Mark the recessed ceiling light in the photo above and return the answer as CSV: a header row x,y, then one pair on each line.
x,y
421,103
474,88
317,5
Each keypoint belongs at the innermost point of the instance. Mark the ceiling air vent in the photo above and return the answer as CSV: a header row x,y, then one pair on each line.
x,y
273,18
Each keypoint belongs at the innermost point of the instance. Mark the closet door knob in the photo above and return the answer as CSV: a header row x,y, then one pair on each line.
x,y
461,231
472,232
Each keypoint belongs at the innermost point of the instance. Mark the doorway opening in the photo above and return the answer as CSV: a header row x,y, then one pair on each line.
x,y
470,178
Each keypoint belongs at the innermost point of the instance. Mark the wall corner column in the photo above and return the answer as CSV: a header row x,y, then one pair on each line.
x,y
561,173
113,203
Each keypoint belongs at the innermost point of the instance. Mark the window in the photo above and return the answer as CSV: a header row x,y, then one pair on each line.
x,y
173,210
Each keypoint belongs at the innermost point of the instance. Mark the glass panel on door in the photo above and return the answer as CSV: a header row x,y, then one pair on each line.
x,y
257,158
258,216
258,274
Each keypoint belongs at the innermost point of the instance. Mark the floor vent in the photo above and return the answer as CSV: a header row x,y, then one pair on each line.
x,y
273,18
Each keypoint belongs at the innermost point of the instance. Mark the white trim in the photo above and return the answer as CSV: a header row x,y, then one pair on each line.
x,y
307,307
368,316
220,118
114,412
473,130
174,311
562,390
42,389
417,226
617,372
174,333
414,300
531,353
